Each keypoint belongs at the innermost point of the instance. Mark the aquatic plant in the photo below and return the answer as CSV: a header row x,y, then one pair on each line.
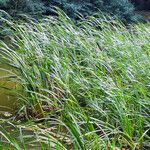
x,y
93,78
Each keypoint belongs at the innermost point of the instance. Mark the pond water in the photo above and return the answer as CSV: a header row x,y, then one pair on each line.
x,y
7,98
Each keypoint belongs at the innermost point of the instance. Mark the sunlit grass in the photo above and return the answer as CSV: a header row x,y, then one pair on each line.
x,y
93,76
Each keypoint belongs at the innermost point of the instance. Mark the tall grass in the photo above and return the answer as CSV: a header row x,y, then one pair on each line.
x,y
93,76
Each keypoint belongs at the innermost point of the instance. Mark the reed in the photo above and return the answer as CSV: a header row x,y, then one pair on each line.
x,y
93,76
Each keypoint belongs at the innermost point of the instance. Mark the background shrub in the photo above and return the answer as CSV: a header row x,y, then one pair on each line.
x,y
122,8
22,6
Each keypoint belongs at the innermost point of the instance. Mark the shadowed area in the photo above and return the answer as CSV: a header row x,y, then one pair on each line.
x,y
7,98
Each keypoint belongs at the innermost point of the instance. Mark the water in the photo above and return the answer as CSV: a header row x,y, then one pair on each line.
x,y
7,98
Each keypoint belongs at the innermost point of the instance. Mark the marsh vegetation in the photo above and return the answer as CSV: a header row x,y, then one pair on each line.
x,y
80,86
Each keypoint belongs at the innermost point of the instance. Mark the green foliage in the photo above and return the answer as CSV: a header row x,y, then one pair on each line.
x,y
63,66
22,6
3,3
122,8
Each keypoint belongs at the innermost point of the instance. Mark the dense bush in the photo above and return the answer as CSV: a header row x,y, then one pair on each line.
x,y
22,6
122,8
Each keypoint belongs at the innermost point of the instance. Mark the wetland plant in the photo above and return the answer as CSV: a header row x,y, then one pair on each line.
x,y
94,83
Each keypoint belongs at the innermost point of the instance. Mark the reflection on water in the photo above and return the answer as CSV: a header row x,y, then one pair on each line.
x,y
7,98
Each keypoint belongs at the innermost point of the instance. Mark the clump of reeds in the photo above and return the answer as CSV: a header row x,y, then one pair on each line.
x,y
93,77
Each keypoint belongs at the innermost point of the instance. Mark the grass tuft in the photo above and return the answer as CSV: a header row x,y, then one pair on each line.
x,y
92,76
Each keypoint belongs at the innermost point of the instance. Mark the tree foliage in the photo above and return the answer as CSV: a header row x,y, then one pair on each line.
x,y
122,8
